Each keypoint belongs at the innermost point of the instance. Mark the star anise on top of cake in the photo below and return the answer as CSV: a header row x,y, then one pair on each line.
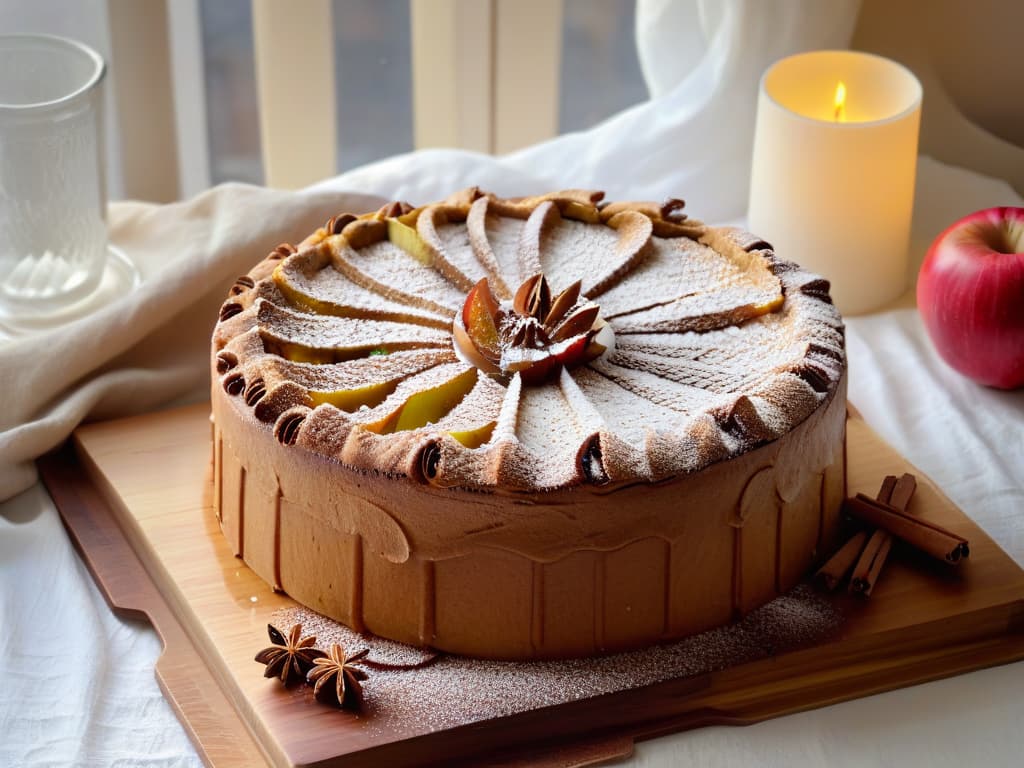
x,y
536,335
291,657
336,680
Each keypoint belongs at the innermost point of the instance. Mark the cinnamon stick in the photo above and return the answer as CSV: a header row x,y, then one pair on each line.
x,y
869,567
835,570
902,492
865,574
930,538
838,566
888,489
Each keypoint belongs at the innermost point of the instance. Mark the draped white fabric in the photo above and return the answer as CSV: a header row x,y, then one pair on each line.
x,y
78,687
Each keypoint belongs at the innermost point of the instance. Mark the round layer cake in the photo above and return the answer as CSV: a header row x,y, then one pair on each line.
x,y
526,428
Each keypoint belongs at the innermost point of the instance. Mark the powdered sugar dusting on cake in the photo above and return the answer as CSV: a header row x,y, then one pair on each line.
x,y
482,406
560,260
719,346
549,435
683,398
682,280
323,289
503,234
356,374
391,265
455,246
625,413
318,332
429,380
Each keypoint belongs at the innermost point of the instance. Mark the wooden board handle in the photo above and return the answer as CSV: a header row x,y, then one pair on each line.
x,y
211,722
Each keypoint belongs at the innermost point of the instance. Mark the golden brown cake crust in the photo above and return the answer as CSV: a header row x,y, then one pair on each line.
x,y
718,345
688,474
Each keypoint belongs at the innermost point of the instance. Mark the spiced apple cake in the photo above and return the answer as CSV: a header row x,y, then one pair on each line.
x,y
523,428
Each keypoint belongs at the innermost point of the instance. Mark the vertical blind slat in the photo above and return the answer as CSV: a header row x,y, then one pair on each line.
x,y
527,66
189,96
452,64
293,44
141,80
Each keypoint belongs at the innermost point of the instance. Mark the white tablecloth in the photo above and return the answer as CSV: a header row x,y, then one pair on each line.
x,y
78,686
77,683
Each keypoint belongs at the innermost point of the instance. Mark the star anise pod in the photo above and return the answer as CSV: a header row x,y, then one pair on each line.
x,y
336,681
557,319
289,658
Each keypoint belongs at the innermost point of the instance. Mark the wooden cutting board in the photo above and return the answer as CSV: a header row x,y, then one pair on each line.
x,y
135,497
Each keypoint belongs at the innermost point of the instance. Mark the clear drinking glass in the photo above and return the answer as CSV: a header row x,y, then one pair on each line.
x,y
53,233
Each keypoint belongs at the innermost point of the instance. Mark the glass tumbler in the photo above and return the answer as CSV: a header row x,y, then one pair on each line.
x,y
53,234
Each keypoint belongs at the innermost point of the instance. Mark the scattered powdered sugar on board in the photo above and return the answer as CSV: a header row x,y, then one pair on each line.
x,y
429,691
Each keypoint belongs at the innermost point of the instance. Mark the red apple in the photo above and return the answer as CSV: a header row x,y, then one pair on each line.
x,y
970,293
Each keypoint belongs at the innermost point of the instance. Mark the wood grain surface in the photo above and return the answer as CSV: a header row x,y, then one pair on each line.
x,y
135,495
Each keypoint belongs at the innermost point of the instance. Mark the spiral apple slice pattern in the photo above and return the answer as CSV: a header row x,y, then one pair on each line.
x,y
351,344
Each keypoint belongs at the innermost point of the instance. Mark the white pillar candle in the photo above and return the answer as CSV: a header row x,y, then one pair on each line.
x,y
832,182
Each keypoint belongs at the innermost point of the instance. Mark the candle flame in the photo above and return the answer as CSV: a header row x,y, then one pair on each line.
x,y
840,102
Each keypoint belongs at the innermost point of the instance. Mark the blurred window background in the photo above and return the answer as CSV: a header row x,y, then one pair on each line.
x,y
184,99
600,71
517,71
232,107
599,76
